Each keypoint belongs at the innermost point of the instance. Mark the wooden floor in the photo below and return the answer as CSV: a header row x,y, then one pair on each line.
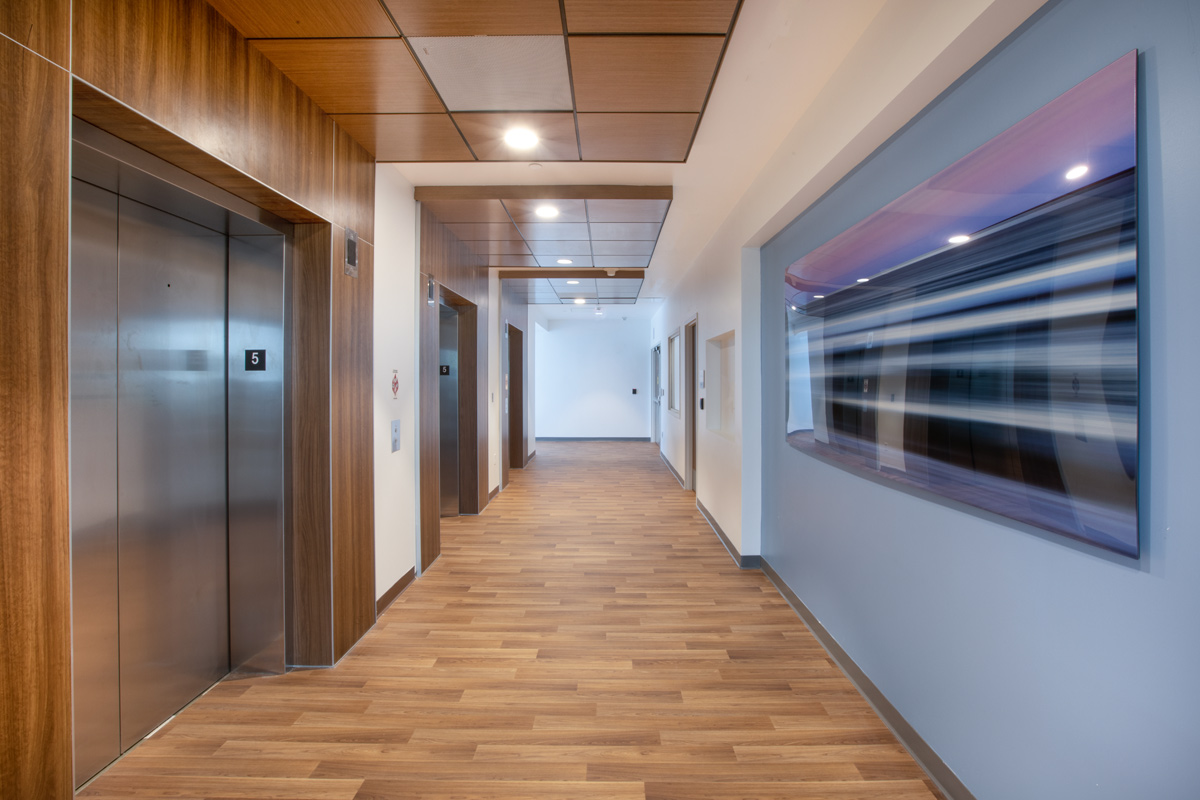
x,y
587,636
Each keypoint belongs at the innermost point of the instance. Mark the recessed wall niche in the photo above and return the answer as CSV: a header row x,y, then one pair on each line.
x,y
719,383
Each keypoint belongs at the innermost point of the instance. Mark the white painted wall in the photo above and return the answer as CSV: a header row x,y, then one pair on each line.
x,y
584,376
495,394
395,343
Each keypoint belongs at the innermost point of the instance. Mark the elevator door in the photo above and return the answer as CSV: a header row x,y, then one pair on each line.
x,y
171,500
448,409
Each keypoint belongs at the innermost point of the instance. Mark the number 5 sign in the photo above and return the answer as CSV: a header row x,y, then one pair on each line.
x,y
256,360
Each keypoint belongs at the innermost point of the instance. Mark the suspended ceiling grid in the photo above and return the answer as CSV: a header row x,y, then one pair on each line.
x,y
425,80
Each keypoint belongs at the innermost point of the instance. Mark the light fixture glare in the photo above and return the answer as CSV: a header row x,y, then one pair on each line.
x,y
520,138
579,301
863,280
818,297
1077,172
959,238
565,261
573,283
546,212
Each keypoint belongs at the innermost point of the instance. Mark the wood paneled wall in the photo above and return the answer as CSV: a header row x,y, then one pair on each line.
x,y
452,265
515,311
173,77
35,634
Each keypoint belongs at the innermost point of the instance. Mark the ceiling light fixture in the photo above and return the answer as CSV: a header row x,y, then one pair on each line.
x,y
1076,172
520,138
579,301
573,283
565,261
794,308
863,280
959,238
818,297
546,212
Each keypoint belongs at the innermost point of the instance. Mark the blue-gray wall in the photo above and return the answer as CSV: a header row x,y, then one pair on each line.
x,y
1035,667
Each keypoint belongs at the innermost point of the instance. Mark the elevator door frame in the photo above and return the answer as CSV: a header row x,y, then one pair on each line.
x,y
109,164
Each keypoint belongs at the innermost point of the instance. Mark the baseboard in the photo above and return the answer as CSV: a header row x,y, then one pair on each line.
x,y
493,493
593,438
743,562
391,594
918,748
529,457
678,477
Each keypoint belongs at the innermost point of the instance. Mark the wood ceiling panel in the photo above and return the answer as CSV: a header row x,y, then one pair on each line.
x,y
627,210
626,230
298,19
553,231
643,73
649,16
526,210
476,17
560,248
636,137
354,76
478,231
468,210
623,248
485,133
406,137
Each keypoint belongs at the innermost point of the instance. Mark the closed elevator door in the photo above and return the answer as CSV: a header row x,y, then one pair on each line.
x,y
149,563
448,409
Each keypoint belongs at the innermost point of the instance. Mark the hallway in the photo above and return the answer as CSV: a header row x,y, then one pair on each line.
x,y
587,636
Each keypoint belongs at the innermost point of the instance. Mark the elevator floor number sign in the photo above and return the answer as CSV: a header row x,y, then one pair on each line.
x,y
256,360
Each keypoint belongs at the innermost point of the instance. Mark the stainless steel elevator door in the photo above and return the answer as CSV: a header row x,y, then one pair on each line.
x,y
448,409
171,492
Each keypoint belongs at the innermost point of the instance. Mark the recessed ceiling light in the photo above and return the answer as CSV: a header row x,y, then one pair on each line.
x,y
793,308
959,238
818,297
546,212
1077,172
579,301
573,283
520,138
565,261
863,280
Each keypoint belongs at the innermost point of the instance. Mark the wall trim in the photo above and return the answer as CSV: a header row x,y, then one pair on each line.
x,y
743,562
593,438
391,594
492,494
529,457
937,770
678,477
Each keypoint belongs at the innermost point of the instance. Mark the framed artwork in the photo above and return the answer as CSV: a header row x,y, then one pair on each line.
x,y
977,336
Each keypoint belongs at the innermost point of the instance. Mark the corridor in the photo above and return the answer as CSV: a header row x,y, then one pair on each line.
x,y
587,636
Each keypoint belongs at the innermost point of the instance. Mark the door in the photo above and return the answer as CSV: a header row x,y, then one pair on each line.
x,y
656,394
448,373
514,398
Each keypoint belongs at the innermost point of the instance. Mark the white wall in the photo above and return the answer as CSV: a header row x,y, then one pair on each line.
x,y
584,377
395,343
495,393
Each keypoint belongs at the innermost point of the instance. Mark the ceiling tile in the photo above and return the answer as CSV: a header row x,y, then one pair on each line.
x,y
627,210
621,262
625,230
406,137
642,73
526,210
354,76
558,248
485,230
306,18
484,131
468,210
512,261
552,259
649,16
496,247
557,231
623,248
497,73
476,17
636,137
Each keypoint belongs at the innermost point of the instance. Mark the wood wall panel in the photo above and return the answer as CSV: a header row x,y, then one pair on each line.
x,y
310,567
430,429
353,517
44,26
179,64
515,311
354,186
35,672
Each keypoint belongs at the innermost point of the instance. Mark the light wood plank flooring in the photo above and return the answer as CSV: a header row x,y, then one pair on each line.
x,y
587,636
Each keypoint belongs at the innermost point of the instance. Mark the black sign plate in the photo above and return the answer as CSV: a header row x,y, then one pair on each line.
x,y
256,361
445,369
